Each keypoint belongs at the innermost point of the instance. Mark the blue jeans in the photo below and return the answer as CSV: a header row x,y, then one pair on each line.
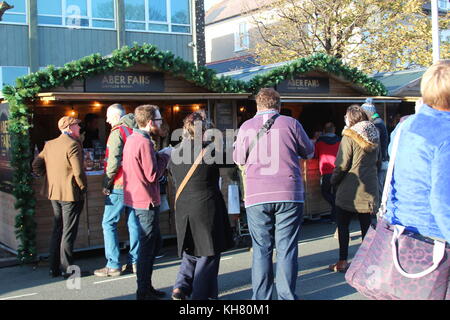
x,y
149,244
198,277
270,225
114,206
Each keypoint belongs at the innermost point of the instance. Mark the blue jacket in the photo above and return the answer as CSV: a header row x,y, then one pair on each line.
x,y
420,195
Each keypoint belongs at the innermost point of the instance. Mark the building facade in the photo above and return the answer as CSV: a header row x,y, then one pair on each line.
x,y
38,33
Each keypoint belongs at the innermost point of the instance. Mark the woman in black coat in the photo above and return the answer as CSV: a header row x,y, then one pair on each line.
x,y
201,218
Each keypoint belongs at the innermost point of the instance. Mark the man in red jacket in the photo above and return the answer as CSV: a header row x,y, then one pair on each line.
x,y
327,147
142,168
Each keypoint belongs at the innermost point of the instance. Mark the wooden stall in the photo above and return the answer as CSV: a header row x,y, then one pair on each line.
x,y
137,85
315,98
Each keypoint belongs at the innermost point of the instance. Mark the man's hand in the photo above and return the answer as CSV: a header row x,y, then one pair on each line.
x,y
106,192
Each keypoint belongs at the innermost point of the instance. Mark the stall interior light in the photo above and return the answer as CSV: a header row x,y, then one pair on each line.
x,y
73,113
97,104
176,108
242,109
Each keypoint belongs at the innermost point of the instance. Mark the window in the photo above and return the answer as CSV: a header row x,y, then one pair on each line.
x,y
158,15
241,37
8,75
444,4
18,14
77,13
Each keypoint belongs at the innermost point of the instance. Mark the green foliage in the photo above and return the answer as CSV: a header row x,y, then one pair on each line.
x,y
318,62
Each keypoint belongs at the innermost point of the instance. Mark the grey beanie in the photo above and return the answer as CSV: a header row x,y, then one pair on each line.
x,y
369,107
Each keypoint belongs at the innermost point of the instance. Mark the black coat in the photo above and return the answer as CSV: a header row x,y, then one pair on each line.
x,y
201,217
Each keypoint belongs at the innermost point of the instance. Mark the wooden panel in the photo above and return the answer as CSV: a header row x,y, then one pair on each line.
x,y
315,204
178,44
14,45
58,46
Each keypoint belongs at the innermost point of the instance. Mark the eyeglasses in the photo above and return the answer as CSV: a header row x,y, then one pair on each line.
x,y
158,119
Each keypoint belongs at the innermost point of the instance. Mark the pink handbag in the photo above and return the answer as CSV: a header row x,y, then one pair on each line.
x,y
396,264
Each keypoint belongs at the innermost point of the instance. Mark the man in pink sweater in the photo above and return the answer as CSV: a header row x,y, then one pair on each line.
x,y
142,167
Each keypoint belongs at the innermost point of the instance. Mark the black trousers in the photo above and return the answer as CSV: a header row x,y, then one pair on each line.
x,y
65,229
343,221
328,194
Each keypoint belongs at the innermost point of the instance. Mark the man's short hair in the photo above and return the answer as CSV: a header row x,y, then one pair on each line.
x,y
117,108
268,98
435,85
143,114
329,127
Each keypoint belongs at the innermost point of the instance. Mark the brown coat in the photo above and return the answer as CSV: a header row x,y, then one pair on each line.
x,y
62,162
355,174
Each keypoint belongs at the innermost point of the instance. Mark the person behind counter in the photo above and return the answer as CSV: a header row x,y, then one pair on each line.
x,y
61,161
89,131
203,228
273,198
326,147
142,168
122,127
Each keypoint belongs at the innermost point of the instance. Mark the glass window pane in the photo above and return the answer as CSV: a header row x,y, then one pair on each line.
x,y
49,20
103,24
19,6
10,74
134,26
135,10
180,11
157,10
19,18
49,7
182,29
158,27
77,22
76,8
103,9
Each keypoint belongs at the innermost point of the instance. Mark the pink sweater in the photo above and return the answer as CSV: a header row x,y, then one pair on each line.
x,y
142,168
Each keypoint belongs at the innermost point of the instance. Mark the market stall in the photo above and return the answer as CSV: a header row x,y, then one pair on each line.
x,y
315,90
131,78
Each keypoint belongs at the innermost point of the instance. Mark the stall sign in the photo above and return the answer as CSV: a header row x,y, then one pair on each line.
x,y
224,116
126,82
305,85
6,172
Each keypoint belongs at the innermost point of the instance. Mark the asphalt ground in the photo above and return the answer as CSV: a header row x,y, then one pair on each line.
x,y
317,249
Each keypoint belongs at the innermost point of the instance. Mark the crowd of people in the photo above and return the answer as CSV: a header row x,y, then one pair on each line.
x,y
353,172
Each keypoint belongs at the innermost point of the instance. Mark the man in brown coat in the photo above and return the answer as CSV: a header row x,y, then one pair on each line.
x,y
62,163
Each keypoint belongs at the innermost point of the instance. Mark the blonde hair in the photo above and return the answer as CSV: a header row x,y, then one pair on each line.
x,y
435,85
268,98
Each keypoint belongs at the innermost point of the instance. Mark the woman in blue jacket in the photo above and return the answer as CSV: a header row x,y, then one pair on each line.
x,y
420,193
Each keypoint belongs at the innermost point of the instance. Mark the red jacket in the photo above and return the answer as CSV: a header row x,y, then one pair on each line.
x,y
326,150
142,168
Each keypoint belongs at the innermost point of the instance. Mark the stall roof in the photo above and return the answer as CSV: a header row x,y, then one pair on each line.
x,y
249,73
381,99
82,96
397,81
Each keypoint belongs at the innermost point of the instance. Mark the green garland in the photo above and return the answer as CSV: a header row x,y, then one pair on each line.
x,y
317,62
29,86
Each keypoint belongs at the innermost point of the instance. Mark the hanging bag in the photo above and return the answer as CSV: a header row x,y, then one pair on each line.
x,y
396,264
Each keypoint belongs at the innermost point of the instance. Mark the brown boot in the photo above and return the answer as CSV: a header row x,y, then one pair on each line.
x,y
340,266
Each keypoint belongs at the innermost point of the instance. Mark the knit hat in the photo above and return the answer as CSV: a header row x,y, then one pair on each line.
x,y
369,107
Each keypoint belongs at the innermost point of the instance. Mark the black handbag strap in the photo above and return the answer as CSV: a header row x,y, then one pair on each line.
x,y
266,127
